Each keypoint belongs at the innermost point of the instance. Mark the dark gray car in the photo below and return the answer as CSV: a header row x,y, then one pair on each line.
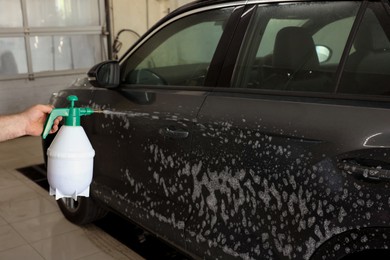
x,y
248,129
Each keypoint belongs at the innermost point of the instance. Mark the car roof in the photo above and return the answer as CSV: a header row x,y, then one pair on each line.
x,y
201,3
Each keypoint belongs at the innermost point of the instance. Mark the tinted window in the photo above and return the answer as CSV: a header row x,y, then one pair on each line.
x,y
295,47
180,53
367,69
326,37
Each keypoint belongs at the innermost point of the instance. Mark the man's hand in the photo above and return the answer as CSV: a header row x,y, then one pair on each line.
x,y
34,119
28,122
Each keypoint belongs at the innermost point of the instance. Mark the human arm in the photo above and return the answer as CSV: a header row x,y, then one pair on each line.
x,y
28,122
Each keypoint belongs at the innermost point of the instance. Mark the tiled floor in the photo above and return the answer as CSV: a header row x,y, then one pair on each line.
x,y
31,225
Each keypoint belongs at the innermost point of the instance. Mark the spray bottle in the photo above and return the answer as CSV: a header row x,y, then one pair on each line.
x,y
70,155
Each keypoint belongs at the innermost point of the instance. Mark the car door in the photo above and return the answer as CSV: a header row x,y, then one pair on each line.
x,y
143,138
284,161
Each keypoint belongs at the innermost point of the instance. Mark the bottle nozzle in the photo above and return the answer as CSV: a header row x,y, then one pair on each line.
x,y
72,115
98,111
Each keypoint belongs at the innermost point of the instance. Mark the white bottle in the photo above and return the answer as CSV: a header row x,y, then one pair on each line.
x,y
70,163
70,155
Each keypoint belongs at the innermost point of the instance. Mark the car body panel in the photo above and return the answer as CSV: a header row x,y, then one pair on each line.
x,y
144,134
226,170
264,172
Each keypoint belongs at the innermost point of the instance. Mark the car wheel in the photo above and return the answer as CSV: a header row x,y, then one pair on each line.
x,y
80,212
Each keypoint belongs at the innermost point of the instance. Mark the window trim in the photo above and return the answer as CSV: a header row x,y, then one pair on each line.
x,y
348,45
309,96
225,58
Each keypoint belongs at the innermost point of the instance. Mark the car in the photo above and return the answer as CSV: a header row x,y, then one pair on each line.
x,y
247,129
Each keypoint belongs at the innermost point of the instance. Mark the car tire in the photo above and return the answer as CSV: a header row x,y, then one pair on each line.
x,y
80,212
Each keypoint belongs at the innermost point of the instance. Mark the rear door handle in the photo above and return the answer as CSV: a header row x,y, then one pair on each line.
x,y
173,133
375,173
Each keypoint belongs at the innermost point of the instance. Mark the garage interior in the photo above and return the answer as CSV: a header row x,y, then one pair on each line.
x,y
32,40
41,42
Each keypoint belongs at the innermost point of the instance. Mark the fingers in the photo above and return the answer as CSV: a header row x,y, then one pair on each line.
x,y
34,119
53,129
55,125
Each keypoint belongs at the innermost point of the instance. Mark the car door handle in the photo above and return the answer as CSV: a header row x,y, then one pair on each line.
x,y
361,171
175,134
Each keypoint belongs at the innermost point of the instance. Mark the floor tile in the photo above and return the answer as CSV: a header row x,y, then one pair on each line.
x,y
44,227
3,222
16,162
68,246
17,210
17,193
9,238
8,180
21,252
99,256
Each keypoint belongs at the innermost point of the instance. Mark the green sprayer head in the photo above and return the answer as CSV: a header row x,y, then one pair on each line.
x,y
71,114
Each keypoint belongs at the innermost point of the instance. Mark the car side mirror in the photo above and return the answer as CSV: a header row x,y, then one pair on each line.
x,y
105,74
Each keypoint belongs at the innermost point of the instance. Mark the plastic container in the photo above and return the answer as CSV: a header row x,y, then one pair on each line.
x,y
70,155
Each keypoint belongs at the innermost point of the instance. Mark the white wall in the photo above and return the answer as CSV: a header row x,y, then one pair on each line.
x,y
17,95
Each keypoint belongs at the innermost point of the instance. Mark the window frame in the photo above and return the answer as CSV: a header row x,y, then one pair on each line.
x,y
27,32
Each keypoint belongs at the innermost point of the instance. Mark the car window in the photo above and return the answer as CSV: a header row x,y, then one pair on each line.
x,y
274,26
180,53
367,69
326,37
295,47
